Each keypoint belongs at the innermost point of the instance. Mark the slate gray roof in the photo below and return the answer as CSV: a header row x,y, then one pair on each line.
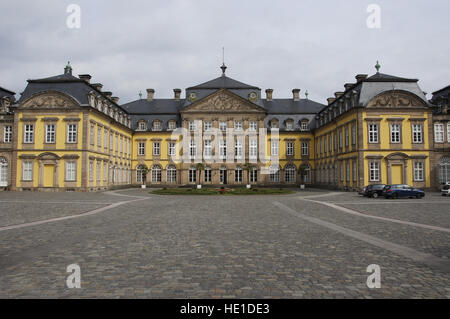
x,y
289,106
381,77
157,106
64,83
7,93
223,82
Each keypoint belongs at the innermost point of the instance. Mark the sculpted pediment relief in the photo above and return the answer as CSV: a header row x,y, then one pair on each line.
x,y
49,100
223,101
396,99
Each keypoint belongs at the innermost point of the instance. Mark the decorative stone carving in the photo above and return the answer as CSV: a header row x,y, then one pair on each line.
x,y
395,99
223,102
49,100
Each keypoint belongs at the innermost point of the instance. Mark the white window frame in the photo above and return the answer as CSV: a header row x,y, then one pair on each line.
x,y
290,148
373,133
156,148
253,149
238,175
7,134
50,133
419,169
172,149
305,148
274,148
238,149
207,149
141,148
253,126
439,133
222,126
71,171
417,131
374,171
207,126
192,126
192,149
290,174
28,133
223,149
27,171
207,175
72,133
395,132
238,126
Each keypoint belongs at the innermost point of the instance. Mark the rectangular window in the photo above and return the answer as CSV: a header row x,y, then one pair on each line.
x,y
304,126
346,137
353,134
395,133
105,141
192,149
28,136
92,134
105,171
192,126
71,171
340,139
290,148
238,149
27,173
7,134
71,133
254,175
342,171
156,126
156,149
347,171
50,133
238,126
99,137
418,171
208,175
171,148
192,175
172,125
223,149
238,175
439,133
417,133
305,148
141,148
253,126
223,126
117,143
253,149
98,172
374,173
354,171
274,148
207,148
335,140
91,171
373,133
207,126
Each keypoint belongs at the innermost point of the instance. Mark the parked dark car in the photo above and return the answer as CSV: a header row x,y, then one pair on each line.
x,y
374,190
362,191
402,190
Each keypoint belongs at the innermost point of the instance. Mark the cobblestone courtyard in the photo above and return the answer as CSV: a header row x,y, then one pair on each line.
x,y
312,244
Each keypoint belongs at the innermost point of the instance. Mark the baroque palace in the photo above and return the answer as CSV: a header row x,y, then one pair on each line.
x,y
66,133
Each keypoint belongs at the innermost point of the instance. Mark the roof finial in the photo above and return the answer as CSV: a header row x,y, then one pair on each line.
x,y
68,68
223,67
378,66
306,93
140,95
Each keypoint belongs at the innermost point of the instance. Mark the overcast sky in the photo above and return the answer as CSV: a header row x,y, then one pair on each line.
x,y
132,45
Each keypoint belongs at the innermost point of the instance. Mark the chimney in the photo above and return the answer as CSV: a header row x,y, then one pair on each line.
x,y
348,86
338,94
331,100
177,94
360,77
115,99
150,94
269,94
85,77
97,86
296,94
107,94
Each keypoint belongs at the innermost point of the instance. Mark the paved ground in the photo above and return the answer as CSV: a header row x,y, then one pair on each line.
x,y
313,244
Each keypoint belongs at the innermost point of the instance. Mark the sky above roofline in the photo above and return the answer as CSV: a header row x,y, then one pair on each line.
x,y
314,45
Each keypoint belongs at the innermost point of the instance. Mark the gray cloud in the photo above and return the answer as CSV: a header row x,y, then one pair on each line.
x,y
316,45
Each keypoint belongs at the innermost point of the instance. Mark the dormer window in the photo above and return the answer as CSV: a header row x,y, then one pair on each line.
x,y
142,126
172,125
274,124
156,125
192,96
289,125
253,96
304,125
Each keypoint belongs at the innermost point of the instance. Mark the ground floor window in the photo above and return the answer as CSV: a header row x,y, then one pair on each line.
x,y
238,175
418,171
274,174
223,175
71,171
444,170
141,171
27,174
374,172
208,174
254,175
156,174
289,174
171,174
192,175
3,172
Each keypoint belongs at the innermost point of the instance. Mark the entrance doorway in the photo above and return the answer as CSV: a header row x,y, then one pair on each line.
x,y
49,175
397,174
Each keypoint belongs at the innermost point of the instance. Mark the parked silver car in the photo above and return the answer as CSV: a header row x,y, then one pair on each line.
x,y
445,190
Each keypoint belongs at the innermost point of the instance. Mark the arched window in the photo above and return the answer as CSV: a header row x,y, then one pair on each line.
x,y
142,125
157,125
305,174
274,173
3,172
304,125
208,174
171,174
156,174
289,173
289,124
141,173
444,170
274,123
